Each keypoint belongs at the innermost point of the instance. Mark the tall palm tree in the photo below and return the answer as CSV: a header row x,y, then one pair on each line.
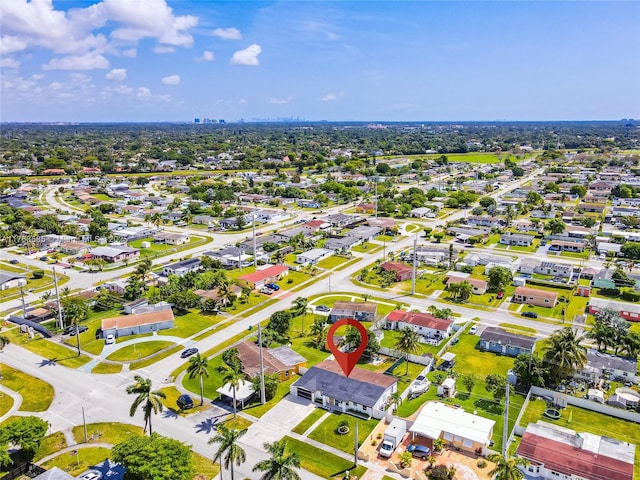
x,y
408,343
198,368
564,354
143,269
228,451
149,399
299,306
281,465
507,468
233,377
4,341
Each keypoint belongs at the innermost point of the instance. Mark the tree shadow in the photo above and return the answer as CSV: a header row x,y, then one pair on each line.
x,y
208,425
342,472
489,406
48,362
170,413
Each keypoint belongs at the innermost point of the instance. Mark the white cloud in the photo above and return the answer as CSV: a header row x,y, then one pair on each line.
x,y
227,33
329,97
207,56
117,74
143,92
164,49
9,62
171,80
123,89
88,61
248,56
130,53
280,101
10,44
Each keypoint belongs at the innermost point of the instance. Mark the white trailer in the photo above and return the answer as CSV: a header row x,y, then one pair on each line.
x,y
393,436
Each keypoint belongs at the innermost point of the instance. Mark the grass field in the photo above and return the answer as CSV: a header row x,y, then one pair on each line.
x,y
106,368
113,433
331,262
51,444
36,394
47,349
76,463
326,432
6,402
138,351
305,424
319,462
258,410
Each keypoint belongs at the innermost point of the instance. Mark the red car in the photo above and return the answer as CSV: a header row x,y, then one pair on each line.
x,y
500,295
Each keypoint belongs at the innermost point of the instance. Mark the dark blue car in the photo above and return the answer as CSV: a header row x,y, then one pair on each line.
x,y
419,451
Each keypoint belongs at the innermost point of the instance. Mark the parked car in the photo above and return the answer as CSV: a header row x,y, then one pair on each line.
x,y
51,251
266,290
473,329
43,259
322,308
530,314
14,262
272,286
419,451
185,402
91,475
110,340
188,352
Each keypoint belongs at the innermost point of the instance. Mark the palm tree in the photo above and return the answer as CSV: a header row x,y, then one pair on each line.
x,y
198,368
233,377
318,331
507,468
299,306
396,400
143,269
156,219
564,353
227,443
150,399
281,465
408,343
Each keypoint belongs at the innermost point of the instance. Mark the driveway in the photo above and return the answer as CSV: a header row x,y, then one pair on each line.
x,y
278,421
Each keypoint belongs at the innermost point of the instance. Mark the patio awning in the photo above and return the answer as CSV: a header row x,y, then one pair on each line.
x,y
243,392
448,357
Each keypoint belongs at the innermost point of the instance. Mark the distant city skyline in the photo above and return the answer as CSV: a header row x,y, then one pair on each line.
x,y
164,60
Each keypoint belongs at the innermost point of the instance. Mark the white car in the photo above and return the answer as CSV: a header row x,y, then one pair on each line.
x,y
109,340
91,475
473,329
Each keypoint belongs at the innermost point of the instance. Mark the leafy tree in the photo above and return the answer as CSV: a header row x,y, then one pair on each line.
x,y
464,290
149,399
280,465
555,226
280,322
486,202
631,250
229,452
25,432
530,370
198,368
270,385
134,289
496,384
299,306
442,472
154,458
75,309
579,190
406,459
507,468
231,357
499,279
468,381
106,300
318,332
408,343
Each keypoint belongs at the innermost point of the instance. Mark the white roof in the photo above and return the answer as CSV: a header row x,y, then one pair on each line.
x,y
437,418
242,393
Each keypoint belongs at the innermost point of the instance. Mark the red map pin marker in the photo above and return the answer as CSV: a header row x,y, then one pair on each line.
x,y
347,360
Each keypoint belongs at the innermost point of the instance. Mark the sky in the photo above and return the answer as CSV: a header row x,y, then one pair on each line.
x,y
168,60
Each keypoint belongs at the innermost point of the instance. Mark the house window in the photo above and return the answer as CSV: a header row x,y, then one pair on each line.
x,y
467,443
448,437
457,439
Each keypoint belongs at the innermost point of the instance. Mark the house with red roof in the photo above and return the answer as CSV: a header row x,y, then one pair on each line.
x,y
423,324
402,271
556,452
261,277
479,286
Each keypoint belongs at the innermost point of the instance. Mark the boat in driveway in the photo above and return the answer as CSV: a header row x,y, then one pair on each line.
x,y
420,385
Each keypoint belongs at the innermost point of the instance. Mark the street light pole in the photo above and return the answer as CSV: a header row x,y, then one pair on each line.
x,y
84,423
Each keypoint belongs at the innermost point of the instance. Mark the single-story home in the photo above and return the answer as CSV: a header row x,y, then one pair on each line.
x,y
422,212
552,268
558,452
261,277
341,244
182,267
609,367
215,294
74,248
479,286
424,324
115,253
517,239
628,311
402,270
362,391
567,246
313,256
458,428
497,340
282,361
138,323
11,280
534,296
169,238
361,311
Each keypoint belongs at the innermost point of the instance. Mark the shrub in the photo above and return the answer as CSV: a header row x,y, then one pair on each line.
x,y
630,295
481,463
38,273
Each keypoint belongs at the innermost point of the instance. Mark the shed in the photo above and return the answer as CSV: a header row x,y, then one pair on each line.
x,y
448,388
595,395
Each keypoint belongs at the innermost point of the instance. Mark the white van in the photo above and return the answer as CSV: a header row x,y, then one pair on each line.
x,y
109,340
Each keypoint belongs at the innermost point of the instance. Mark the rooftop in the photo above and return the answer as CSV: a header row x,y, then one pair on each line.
x,y
420,319
436,418
495,334
135,320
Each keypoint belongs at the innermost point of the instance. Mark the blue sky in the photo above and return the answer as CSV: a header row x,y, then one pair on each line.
x,y
164,60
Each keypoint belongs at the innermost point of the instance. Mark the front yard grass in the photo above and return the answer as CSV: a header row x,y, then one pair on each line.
x,y
47,349
305,424
469,360
113,433
36,394
331,262
106,368
50,444
327,433
190,323
319,462
6,402
138,351
76,463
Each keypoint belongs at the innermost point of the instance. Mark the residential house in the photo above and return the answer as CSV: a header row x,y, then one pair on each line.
x,y
231,257
497,340
316,225
592,207
116,286
11,280
462,430
207,220
341,244
364,233
608,248
464,234
74,248
129,234
285,236
555,452
305,203
609,367
115,253
483,221
182,267
422,212
362,391
479,286
138,323
54,474
313,256
282,361
515,239
628,311
169,238
131,209
402,270
361,311
216,295
340,220
424,324
366,208
258,279
534,296
566,246
553,268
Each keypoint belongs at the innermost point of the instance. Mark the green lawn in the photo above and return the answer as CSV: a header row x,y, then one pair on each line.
x,y
305,424
191,323
51,444
138,351
326,432
113,433
105,368
518,328
36,394
145,362
367,248
391,337
258,410
76,463
319,462
204,467
469,360
582,255
331,262
211,383
6,402
47,349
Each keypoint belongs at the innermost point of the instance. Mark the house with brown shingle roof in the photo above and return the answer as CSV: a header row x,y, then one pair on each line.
x,y
282,361
424,324
534,296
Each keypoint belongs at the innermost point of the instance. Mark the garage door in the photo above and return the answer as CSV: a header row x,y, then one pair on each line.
x,y
304,393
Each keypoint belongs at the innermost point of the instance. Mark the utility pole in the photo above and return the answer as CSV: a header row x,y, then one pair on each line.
x,y
355,449
263,395
376,195
24,307
59,308
413,272
505,427
84,422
